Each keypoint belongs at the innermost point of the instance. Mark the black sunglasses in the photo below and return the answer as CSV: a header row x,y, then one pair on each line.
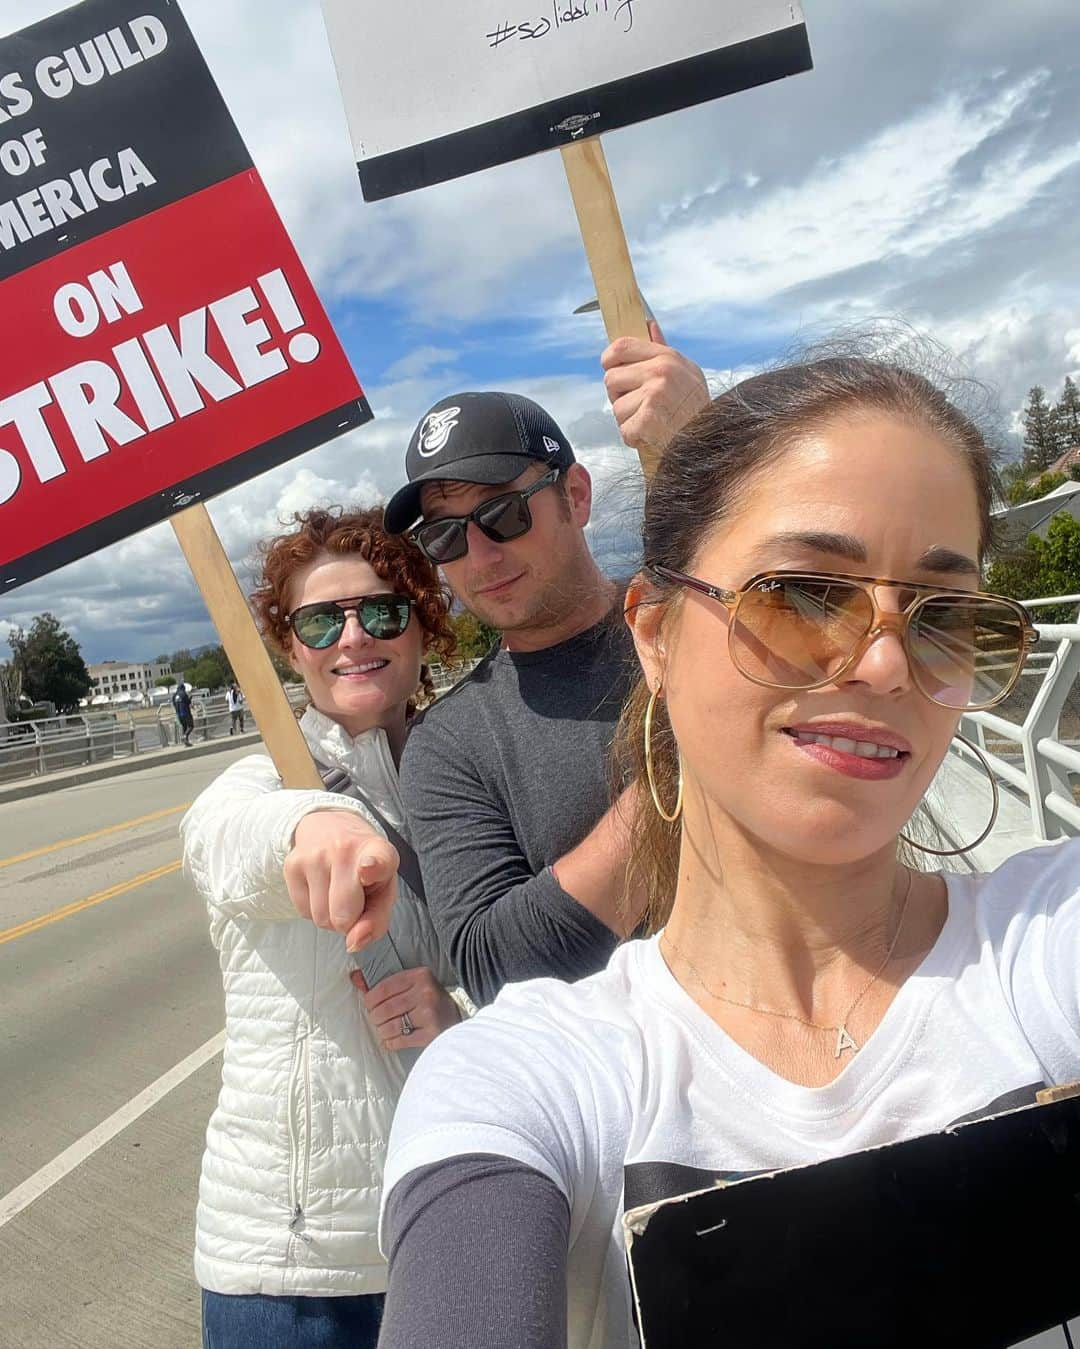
x,y
321,624
500,518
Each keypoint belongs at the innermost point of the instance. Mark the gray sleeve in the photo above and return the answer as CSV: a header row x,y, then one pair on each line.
x,y
478,1250
498,920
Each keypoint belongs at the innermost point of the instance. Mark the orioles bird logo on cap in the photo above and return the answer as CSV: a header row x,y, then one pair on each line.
x,y
435,431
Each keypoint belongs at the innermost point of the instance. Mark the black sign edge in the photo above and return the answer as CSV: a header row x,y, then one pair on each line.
x,y
1049,1118
154,509
607,107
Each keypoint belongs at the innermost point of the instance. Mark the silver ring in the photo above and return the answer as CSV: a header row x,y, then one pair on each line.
x,y
407,1026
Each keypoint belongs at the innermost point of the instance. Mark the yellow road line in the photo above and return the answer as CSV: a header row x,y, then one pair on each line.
x,y
77,907
86,838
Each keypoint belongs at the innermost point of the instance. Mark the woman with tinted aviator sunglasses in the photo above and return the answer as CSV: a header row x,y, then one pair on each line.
x,y
314,1065
801,630
807,991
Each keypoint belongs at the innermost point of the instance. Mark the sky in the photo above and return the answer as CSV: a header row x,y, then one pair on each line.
x,y
926,173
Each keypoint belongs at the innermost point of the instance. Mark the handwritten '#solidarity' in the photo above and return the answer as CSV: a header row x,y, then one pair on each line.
x,y
563,13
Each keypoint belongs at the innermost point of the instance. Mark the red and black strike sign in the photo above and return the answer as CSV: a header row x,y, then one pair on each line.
x,y
162,341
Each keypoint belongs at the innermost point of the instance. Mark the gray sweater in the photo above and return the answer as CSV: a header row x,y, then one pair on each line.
x,y
501,778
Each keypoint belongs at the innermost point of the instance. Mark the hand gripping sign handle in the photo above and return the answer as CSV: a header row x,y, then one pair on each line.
x,y
248,657
607,250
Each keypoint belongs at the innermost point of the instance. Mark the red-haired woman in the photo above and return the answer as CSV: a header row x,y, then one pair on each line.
x,y
286,1246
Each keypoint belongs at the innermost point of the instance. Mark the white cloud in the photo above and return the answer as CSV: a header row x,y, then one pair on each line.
x,y
928,165
897,194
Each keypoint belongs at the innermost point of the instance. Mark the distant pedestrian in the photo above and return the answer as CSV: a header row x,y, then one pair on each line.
x,y
181,701
235,701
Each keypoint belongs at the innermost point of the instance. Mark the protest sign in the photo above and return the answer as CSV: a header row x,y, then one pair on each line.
x,y
434,89
966,1239
162,341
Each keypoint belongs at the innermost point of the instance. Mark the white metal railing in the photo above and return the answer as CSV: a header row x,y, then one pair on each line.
x,y
443,678
1047,764
34,748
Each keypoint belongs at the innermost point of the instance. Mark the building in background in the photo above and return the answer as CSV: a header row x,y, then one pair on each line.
x,y
124,681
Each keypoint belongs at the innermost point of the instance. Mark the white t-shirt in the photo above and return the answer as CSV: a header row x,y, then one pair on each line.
x,y
622,1091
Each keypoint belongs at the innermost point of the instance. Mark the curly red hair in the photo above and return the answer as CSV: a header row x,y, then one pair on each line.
x,y
337,532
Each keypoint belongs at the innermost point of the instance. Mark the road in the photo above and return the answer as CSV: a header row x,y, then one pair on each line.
x,y
112,1013
109,983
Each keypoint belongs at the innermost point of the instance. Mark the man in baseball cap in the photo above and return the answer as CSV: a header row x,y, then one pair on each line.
x,y
476,438
506,779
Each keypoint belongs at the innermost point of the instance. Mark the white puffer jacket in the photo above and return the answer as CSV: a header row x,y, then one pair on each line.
x,y
289,1196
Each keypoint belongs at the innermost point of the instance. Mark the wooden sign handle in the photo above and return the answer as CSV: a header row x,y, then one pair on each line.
x,y
607,250
251,664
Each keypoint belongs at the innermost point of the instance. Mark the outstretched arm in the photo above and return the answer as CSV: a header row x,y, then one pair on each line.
x,y
255,850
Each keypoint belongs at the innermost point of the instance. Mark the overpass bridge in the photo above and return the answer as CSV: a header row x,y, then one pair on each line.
x,y
110,1036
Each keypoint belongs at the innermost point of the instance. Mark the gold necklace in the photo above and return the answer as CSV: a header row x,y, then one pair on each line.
x,y
844,1039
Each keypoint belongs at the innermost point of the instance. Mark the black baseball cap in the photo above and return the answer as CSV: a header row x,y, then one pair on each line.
x,y
475,437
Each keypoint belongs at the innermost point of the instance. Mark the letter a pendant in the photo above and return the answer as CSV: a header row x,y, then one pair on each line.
x,y
844,1041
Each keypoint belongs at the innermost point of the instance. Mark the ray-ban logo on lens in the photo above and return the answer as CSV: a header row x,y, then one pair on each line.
x,y
435,431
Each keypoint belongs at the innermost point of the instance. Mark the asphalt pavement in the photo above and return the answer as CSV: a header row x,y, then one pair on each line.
x,y
110,1060
110,983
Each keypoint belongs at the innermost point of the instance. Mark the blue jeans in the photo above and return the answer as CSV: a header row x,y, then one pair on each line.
x,y
255,1321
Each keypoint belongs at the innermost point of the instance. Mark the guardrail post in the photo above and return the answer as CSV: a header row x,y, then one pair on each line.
x,y
40,746
974,731
1042,723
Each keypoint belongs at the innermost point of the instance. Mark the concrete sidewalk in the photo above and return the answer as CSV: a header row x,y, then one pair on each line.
x,y
132,763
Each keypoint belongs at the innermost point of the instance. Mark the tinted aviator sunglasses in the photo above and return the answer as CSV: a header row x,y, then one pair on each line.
x,y
802,630
321,624
500,518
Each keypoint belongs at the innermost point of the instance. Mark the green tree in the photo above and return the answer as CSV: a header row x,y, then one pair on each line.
x,y
1014,483
1040,436
180,660
208,672
1019,488
285,671
10,688
50,663
1061,556
1018,572
1042,568
1067,416
474,638
165,682
1043,485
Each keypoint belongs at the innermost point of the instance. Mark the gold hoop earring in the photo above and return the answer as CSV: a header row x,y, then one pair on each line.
x,y
671,819
956,852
